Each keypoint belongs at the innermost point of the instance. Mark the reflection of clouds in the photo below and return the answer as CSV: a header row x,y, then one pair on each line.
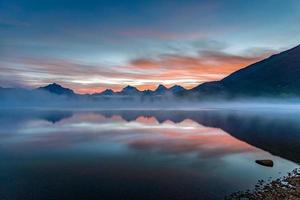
x,y
205,145
142,134
147,120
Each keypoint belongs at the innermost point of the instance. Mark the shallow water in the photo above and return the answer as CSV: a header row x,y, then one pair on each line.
x,y
142,154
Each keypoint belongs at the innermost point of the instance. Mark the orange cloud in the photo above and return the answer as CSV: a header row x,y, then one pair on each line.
x,y
208,66
208,62
144,73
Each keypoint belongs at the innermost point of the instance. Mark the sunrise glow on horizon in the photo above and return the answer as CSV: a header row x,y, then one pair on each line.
x,y
95,45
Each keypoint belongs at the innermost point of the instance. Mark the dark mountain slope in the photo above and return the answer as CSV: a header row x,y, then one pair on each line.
x,y
278,75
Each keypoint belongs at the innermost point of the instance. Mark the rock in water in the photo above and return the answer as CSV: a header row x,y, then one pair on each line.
x,y
267,163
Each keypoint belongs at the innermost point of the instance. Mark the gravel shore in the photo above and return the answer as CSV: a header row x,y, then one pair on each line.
x,y
285,188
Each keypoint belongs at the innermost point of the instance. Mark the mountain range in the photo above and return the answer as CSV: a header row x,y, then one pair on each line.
x,y
161,90
276,76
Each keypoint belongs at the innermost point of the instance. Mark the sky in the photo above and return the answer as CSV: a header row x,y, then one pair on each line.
x,y
92,45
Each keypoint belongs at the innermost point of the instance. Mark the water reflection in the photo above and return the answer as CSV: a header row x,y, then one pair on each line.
x,y
141,154
277,132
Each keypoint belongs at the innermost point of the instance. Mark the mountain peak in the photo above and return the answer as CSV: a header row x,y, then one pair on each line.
x,y
129,87
57,89
161,89
107,92
130,90
55,84
161,86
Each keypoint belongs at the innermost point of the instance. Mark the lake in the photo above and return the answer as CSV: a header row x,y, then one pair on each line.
x,y
127,154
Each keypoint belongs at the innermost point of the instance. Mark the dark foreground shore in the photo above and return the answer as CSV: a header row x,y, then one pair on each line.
x,y
285,188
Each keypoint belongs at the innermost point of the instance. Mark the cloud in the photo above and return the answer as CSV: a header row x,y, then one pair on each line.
x,y
261,52
208,65
209,45
205,61
145,73
72,73
164,35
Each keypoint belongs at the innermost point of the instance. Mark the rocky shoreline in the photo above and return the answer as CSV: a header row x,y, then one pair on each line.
x,y
285,188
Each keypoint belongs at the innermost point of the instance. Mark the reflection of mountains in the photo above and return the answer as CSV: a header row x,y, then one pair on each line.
x,y
22,115
276,133
273,132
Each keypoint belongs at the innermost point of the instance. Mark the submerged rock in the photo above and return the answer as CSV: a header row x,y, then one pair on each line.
x,y
267,163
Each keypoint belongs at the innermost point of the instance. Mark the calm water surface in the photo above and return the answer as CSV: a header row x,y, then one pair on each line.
x,y
142,154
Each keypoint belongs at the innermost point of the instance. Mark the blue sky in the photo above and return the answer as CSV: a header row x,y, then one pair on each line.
x,y
92,45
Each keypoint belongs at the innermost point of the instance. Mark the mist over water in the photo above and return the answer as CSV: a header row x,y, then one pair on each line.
x,y
20,98
142,154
